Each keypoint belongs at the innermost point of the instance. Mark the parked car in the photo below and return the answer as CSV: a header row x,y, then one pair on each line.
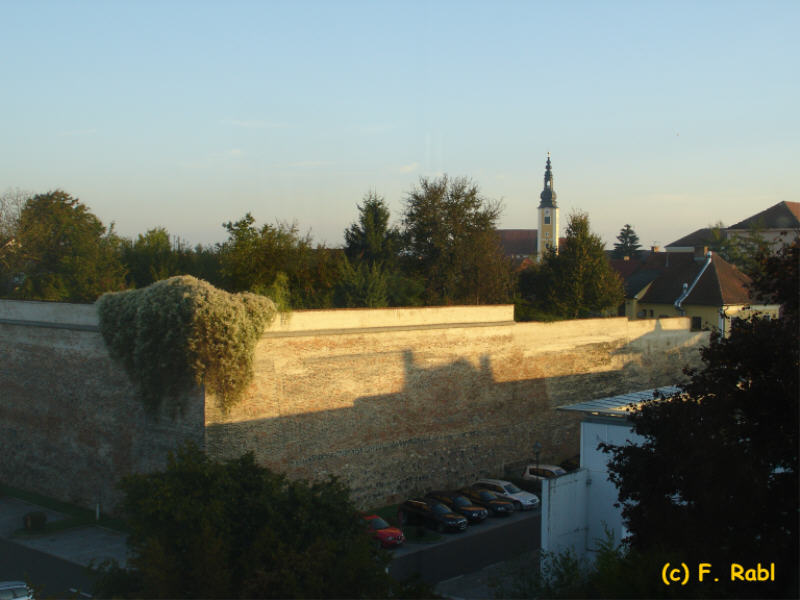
x,y
540,472
489,500
15,590
383,533
459,503
431,514
505,489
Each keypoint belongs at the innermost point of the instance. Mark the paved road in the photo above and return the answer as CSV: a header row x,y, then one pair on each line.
x,y
55,575
491,542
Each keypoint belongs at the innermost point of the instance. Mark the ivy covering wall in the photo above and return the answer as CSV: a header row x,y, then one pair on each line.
x,y
181,332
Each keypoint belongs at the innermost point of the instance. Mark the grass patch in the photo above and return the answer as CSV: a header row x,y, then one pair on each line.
x,y
75,516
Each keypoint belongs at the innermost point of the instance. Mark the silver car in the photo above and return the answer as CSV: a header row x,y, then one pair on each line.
x,y
15,590
505,489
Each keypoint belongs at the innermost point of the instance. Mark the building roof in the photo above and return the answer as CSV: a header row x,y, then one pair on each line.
x,y
646,269
720,284
620,406
701,237
783,215
518,242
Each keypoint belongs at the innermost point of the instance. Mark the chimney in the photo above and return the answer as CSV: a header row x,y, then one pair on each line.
x,y
700,253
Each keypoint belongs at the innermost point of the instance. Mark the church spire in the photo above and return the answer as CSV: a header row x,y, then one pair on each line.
x,y
548,194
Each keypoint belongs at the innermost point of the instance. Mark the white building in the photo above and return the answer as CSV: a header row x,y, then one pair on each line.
x,y
578,508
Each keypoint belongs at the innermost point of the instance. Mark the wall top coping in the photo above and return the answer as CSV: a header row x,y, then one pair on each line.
x,y
379,318
84,316
54,314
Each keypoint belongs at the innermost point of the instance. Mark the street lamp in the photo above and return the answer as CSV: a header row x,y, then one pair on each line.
x,y
537,448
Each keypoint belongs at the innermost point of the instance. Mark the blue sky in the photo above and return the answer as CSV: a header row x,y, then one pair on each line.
x,y
666,115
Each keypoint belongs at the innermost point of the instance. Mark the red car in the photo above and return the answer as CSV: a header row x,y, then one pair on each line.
x,y
385,534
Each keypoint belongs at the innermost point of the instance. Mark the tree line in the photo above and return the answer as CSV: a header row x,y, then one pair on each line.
x,y
445,250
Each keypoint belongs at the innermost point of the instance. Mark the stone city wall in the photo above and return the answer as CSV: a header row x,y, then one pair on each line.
x,y
393,401
70,423
396,406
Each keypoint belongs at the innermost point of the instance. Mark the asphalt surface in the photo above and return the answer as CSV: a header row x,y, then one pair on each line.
x,y
494,541
53,577
461,565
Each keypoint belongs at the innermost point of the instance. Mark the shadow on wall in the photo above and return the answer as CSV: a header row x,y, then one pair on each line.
x,y
449,424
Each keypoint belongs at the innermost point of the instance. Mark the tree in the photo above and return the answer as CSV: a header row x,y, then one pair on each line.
x,y
11,204
628,243
716,478
251,258
361,285
150,258
63,252
205,529
744,251
451,243
578,281
370,273
371,239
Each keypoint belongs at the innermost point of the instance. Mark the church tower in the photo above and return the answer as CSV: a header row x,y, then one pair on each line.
x,y
548,215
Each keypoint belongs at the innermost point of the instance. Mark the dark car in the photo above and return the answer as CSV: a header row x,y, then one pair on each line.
x,y
489,500
459,503
383,533
431,514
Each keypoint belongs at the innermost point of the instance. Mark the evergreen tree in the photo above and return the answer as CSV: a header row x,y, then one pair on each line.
x,y
578,281
628,243
371,239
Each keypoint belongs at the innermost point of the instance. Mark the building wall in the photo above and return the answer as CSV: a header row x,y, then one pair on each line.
x,y
398,410
709,315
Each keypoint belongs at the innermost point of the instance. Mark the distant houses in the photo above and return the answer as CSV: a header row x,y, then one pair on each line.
x,y
689,280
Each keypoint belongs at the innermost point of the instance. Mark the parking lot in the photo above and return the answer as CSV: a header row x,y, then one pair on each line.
x,y
495,540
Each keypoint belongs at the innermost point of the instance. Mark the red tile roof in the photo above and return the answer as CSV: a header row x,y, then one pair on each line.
x,y
720,284
518,242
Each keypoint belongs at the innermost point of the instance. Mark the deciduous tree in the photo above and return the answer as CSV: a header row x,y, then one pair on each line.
x,y
63,252
451,242
204,529
716,478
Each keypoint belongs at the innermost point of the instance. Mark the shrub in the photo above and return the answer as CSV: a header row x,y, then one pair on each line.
x,y
34,521
181,332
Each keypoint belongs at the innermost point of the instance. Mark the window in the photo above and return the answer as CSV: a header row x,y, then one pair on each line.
x,y
547,220
697,323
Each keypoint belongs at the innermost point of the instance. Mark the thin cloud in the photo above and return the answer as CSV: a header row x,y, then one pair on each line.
x,y
256,124
409,168
378,128
311,163
77,132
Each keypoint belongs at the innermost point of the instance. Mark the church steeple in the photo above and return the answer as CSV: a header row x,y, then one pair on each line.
x,y
548,194
547,235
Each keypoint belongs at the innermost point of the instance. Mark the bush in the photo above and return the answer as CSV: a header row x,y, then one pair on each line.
x,y
182,332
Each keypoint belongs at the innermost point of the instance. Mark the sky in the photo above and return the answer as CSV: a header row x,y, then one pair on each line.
x,y
668,115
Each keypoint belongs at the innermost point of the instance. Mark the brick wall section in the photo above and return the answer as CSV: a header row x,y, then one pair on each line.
x,y
399,411
394,401
70,425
